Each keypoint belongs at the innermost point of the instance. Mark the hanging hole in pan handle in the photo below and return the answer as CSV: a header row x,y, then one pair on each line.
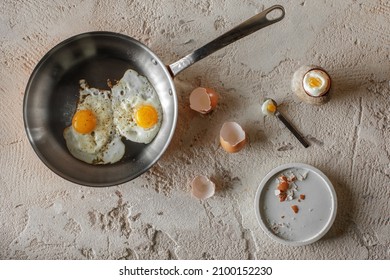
x,y
275,14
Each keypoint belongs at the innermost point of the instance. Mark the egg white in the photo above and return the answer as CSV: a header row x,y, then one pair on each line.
x,y
103,144
132,91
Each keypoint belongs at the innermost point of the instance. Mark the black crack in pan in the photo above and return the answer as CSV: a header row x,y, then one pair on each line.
x,y
53,89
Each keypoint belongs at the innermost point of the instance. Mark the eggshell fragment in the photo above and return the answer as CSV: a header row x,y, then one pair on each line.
x,y
202,187
232,137
283,186
203,100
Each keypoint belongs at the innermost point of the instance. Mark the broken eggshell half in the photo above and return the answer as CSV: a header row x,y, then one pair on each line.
x,y
202,187
232,137
203,100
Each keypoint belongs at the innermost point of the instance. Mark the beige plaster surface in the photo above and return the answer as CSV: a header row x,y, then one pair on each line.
x,y
42,216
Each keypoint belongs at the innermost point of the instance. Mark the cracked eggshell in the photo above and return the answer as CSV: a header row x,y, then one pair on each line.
x,y
232,137
203,100
202,187
298,86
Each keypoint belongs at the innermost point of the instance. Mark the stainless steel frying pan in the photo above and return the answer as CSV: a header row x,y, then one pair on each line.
x,y
53,89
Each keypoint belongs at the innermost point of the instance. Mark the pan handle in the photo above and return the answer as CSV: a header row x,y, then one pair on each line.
x,y
263,19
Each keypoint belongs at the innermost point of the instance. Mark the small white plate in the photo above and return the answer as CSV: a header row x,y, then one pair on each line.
x,y
316,213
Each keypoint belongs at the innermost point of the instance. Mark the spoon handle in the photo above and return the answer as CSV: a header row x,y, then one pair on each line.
x,y
292,129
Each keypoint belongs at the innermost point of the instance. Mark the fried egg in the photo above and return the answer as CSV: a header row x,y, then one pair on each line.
x,y
316,82
130,110
137,112
92,137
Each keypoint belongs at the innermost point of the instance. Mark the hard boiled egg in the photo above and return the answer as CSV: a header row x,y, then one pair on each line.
x,y
312,84
316,82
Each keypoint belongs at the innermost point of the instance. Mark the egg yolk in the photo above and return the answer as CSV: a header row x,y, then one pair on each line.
x,y
271,108
84,121
314,82
146,116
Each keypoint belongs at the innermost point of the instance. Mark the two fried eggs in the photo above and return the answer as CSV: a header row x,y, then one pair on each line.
x,y
130,110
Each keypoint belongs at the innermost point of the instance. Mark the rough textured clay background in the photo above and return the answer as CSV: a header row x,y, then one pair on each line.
x,y
43,216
